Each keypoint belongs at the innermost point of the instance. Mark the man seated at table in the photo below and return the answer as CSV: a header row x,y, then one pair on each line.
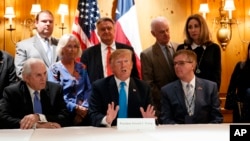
x,y
33,102
107,102
189,99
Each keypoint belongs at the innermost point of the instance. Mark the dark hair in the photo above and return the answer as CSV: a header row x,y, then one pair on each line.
x,y
105,19
43,11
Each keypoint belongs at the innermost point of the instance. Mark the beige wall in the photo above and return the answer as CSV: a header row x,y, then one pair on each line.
x,y
175,10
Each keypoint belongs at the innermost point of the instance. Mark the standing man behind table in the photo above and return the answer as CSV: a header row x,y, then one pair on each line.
x,y
95,58
41,45
157,60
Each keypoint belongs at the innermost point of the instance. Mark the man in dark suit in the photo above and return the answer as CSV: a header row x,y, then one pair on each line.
x,y
7,71
189,99
156,63
95,58
41,45
16,106
104,102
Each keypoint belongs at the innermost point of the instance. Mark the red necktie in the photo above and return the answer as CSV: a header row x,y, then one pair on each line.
x,y
109,71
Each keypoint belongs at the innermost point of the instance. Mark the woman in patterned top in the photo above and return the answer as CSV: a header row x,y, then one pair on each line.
x,y
73,77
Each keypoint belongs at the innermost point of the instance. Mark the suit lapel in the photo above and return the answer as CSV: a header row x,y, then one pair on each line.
x,y
98,60
157,51
199,94
113,90
134,101
38,45
160,56
54,45
26,97
179,92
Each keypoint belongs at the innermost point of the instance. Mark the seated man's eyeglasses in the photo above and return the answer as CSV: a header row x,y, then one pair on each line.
x,y
181,63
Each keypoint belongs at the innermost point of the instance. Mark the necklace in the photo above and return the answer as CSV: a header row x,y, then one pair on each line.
x,y
198,71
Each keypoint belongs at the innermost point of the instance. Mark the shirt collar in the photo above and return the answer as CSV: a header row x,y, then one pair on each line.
x,y
192,82
194,46
43,39
104,46
118,81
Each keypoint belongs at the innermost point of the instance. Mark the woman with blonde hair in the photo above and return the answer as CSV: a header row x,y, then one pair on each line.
x,y
73,76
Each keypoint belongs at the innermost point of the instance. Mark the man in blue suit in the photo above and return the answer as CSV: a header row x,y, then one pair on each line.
x,y
189,99
104,102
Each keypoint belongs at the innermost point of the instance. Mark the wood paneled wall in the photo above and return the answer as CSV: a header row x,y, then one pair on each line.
x,y
175,10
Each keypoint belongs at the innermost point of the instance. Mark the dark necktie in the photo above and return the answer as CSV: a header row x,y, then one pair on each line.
x,y
37,103
122,101
169,55
108,68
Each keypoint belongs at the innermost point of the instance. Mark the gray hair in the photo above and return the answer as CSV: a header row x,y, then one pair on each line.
x,y
28,63
157,20
64,41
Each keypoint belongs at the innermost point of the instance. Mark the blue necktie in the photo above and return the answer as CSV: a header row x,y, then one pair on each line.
x,y
122,101
37,103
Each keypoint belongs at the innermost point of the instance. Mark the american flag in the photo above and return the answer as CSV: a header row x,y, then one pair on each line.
x,y
84,23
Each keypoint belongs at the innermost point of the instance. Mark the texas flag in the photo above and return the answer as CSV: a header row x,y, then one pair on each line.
x,y
127,30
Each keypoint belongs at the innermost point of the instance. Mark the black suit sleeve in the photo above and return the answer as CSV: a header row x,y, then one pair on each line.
x,y
54,106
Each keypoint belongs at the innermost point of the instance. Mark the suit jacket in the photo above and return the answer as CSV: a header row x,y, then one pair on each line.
x,y
207,104
7,71
92,58
16,103
156,71
210,64
105,91
33,48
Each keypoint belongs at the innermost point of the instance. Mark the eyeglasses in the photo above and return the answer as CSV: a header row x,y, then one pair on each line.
x,y
181,63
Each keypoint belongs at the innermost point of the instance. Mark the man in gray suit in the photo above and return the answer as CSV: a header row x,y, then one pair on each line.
x,y
189,99
42,45
157,60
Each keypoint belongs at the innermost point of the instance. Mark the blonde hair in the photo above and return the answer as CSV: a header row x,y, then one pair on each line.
x,y
64,41
119,52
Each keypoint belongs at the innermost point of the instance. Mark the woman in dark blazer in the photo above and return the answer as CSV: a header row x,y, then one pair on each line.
x,y
208,53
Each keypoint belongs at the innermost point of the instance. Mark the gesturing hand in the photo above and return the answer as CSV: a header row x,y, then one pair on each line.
x,y
111,112
150,112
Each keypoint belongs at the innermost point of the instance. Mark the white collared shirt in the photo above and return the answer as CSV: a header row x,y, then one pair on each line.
x,y
104,52
194,46
192,82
